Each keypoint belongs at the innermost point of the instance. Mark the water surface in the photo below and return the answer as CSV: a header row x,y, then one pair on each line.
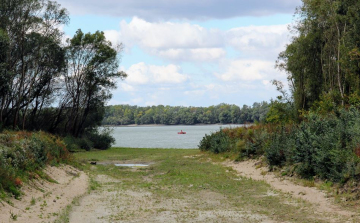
x,y
163,136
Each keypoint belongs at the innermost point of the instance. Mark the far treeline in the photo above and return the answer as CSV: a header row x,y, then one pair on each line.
x,y
179,115
314,130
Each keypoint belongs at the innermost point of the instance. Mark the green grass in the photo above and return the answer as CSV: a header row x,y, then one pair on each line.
x,y
182,174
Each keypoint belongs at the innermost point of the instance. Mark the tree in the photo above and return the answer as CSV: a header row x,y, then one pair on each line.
x,y
92,67
31,57
323,58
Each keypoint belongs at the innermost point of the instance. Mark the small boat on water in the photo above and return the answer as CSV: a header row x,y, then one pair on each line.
x,y
181,132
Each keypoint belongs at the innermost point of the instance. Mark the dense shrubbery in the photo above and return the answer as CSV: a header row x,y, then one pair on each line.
x,y
323,146
23,154
217,142
98,139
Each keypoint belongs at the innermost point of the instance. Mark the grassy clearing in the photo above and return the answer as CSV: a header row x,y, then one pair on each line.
x,y
191,185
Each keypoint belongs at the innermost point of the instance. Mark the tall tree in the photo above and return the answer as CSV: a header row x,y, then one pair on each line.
x,y
92,67
33,57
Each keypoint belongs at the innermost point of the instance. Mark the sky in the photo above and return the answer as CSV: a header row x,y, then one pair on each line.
x,y
191,53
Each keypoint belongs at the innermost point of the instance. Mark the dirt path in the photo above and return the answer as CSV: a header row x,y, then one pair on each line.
x,y
321,203
112,203
42,200
116,200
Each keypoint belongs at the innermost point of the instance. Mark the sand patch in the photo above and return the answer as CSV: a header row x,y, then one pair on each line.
x,y
112,203
42,200
321,203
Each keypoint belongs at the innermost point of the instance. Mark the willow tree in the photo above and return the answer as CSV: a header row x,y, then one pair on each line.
x,y
31,57
92,68
322,61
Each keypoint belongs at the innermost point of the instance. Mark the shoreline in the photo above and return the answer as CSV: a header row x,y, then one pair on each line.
x,y
161,125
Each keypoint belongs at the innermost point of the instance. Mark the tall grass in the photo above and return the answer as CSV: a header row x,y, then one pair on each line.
x,y
24,154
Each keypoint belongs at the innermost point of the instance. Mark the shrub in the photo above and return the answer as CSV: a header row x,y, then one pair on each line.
x,y
98,139
101,139
22,153
322,145
217,142
280,146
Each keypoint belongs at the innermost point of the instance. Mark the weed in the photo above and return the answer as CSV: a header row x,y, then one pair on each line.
x,y
13,216
33,201
94,184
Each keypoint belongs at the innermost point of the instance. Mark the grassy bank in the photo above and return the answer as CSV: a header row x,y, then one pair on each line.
x,y
23,155
184,184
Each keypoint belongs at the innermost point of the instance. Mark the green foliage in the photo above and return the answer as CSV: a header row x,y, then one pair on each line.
x,y
325,146
174,115
38,71
323,58
280,146
91,139
102,140
217,142
24,153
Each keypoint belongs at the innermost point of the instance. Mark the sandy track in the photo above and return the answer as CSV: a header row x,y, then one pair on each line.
x,y
321,203
110,203
50,198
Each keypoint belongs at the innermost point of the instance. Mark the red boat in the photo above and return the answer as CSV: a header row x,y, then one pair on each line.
x,y
181,132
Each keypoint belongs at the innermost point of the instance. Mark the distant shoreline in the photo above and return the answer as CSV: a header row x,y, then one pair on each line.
x,y
159,125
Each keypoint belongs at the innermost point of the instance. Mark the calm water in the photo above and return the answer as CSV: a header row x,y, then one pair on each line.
x,y
163,136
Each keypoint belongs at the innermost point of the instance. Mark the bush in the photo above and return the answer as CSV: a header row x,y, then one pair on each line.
x,y
217,142
326,146
91,139
102,140
22,153
280,147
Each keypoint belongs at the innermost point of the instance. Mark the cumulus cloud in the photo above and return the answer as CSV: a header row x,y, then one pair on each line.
x,y
141,73
188,42
181,9
172,41
264,41
163,35
249,70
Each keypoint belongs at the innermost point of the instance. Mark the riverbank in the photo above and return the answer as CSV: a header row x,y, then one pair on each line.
x,y
177,185
187,185
45,200
159,125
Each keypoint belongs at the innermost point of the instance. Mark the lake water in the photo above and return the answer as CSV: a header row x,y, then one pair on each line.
x,y
163,136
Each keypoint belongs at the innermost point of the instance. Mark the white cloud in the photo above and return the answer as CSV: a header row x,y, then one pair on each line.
x,y
141,73
173,41
113,36
193,43
249,70
137,74
126,87
164,35
200,54
260,41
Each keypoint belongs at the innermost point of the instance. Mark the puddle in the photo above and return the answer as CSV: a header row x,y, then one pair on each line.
x,y
132,165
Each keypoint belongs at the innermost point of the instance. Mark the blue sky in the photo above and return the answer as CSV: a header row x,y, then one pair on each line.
x,y
191,53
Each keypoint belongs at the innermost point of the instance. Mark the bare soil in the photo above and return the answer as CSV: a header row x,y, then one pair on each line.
x,y
42,201
112,202
322,203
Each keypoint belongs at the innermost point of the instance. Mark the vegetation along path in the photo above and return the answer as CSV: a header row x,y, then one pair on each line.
x,y
185,186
